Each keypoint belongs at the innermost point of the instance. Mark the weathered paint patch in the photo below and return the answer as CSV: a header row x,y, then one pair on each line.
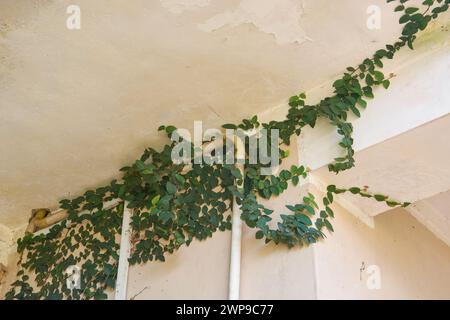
x,y
278,18
179,6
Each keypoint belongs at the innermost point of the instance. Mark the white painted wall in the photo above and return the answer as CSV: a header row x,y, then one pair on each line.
x,y
276,272
199,271
413,263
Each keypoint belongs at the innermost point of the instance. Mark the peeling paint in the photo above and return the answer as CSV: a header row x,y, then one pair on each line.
x,y
79,91
6,240
179,6
278,18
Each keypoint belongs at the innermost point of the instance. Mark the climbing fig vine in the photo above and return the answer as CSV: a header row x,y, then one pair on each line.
x,y
173,204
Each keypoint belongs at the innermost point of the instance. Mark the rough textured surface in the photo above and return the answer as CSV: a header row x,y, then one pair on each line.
x,y
279,18
179,6
76,105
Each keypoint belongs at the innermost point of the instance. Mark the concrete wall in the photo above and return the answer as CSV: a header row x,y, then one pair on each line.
x,y
276,272
10,277
97,95
199,271
8,256
413,263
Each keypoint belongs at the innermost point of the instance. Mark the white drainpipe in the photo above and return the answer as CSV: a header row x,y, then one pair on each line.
x,y
124,254
235,256
236,235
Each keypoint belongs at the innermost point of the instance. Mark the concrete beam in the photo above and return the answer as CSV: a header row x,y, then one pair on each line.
x,y
418,95
434,214
409,168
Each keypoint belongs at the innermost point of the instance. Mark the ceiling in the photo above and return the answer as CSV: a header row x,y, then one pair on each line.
x,y
76,105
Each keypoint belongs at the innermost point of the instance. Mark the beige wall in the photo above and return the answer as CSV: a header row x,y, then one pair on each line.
x,y
10,275
413,263
199,271
275,272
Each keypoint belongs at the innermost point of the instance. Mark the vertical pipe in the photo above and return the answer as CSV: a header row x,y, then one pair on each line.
x,y
236,233
235,257
124,254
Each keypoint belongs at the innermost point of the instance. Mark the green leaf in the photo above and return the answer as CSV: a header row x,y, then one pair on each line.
x,y
379,75
171,188
404,19
294,101
180,178
122,191
259,234
304,219
355,190
355,111
155,200
229,126
310,210
140,165
330,212
411,10
380,197
362,103
170,129
179,237
236,173
328,225
392,203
